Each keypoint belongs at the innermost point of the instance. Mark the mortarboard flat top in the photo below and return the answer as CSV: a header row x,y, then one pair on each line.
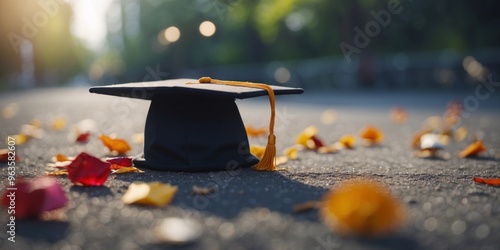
x,y
146,90
193,126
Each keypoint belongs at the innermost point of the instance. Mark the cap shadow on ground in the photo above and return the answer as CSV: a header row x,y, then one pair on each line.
x,y
236,191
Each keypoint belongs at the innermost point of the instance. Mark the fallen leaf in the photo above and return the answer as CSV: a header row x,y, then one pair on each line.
x,y
361,207
255,132
88,170
152,193
115,145
487,181
20,139
58,124
83,138
257,151
292,153
122,170
196,190
431,141
372,134
473,149
304,136
306,206
178,231
347,141
61,157
460,134
57,172
415,142
33,197
138,138
327,149
398,115
281,160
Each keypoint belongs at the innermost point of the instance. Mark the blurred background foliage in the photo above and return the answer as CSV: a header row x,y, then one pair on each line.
x,y
442,43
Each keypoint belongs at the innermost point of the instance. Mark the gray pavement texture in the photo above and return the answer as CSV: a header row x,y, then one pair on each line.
x,y
253,210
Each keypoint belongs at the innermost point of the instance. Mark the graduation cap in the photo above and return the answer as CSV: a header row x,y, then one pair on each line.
x,y
195,126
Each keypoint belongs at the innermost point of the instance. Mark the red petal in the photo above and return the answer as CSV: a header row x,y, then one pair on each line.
x,y
491,181
318,143
88,170
34,197
83,138
121,161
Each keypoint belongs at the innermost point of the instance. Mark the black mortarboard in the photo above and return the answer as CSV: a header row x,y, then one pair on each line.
x,y
195,126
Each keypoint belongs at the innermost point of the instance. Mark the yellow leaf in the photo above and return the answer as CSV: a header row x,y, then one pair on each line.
x,y
306,135
347,141
20,139
292,153
152,193
258,151
58,124
123,170
57,172
460,134
280,160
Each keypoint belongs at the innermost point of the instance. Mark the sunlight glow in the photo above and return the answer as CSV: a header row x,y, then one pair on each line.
x,y
89,22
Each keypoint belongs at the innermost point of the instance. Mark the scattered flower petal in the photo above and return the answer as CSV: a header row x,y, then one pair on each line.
x,y
255,132
61,157
83,138
20,139
329,117
415,142
36,196
347,141
361,207
115,145
257,151
306,206
178,231
431,141
372,134
88,170
196,190
399,115
58,124
121,161
487,181
86,126
281,160
292,153
57,172
473,149
152,193
32,131
304,136
460,134
138,138
122,170
327,149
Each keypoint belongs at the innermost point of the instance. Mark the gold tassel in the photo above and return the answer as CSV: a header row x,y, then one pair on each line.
x,y
268,161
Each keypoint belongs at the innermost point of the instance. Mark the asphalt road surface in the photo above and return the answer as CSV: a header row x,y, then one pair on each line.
x,y
253,210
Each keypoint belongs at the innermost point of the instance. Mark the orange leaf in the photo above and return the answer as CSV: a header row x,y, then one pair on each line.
x,y
118,145
372,134
254,132
152,193
473,149
361,207
488,181
347,141
122,170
